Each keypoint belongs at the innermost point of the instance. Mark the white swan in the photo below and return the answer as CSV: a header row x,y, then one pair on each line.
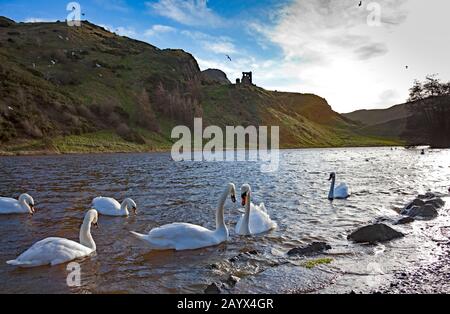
x,y
54,251
110,207
339,192
183,236
25,205
256,220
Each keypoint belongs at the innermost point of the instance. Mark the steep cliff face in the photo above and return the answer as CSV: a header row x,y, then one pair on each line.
x,y
65,86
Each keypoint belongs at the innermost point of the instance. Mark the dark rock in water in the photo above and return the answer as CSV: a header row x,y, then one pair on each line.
x,y
213,289
436,203
232,281
312,249
416,202
375,233
405,220
427,196
426,212
425,207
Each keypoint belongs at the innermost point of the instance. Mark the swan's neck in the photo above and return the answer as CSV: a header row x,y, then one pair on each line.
x,y
124,208
220,215
245,227
86,237
331,194
24,204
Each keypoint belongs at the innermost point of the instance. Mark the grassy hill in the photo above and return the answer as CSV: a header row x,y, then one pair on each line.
x,y
84,89
423,122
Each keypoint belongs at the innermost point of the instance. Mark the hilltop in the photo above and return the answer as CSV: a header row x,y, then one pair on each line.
x,y
84,89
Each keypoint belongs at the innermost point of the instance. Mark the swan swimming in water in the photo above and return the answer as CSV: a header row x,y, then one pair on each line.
x,y
183,236
256,220
110,207
54,251
339,192
24,205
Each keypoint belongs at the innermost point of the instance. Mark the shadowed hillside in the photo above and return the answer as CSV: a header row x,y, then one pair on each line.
x,y
84,89
422,122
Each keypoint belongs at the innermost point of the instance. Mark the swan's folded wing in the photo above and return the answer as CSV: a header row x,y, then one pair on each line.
x,y
341,191
260,221
52,251
261,207
181,236
105,204
176,230
7,200
9,205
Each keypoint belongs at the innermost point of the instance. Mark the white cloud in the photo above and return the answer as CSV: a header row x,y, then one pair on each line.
x,y
215,44
38,20
330,50
121,30
159,29
187,12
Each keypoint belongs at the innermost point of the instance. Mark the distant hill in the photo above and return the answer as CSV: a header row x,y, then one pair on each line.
x,y
214,76
85,89
423,122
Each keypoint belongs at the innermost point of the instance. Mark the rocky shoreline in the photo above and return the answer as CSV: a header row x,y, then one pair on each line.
x,y
427,279
303,265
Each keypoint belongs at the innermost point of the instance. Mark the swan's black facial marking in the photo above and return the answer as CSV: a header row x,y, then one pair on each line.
x,y
33,210
135,210
95,224
233,198
244,198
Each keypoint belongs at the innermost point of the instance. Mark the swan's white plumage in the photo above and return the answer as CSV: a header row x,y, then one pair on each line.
x,y
13,206
259,222
110,207
184,236
256,219
51,251
341,191
54,251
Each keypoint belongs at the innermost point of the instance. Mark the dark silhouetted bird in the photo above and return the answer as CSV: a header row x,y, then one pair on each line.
x,y
407,67
229,58
360,3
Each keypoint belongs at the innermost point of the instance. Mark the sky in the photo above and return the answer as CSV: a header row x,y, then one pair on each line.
x,y
357,57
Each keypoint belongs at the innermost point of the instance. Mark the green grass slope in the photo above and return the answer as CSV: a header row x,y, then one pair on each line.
x,y
84,89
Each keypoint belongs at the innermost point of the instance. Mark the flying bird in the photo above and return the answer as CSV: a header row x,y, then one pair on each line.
x,y
407,67
360,3
229,58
